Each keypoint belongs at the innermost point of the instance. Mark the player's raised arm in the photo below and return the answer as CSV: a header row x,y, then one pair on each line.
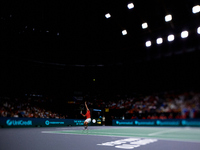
x,y
86,106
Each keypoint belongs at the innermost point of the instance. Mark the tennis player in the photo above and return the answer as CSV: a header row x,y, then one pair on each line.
x,y
88,117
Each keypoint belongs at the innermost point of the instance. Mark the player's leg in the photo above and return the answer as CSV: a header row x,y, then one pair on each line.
x,y
87,121
85,126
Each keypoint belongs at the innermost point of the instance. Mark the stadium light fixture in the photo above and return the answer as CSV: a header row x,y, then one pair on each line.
x,y
184,34
124,32
196,9
198,30
107,15
168,18
159,41
148,43
170,37
130,6
144,25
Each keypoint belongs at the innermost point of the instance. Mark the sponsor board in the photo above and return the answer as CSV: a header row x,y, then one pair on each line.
x,y
167,123
79,122
38,122
47,122
124,122
13,122
156,122
150,123
190,122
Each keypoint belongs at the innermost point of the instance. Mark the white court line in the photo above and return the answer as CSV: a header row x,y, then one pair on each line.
x,y
108,134
81,134
69,128
161,132
85,134
92,128
92,132
81,128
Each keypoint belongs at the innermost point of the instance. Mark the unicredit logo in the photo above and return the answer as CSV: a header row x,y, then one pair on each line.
x,y
18,122
47,122
9,122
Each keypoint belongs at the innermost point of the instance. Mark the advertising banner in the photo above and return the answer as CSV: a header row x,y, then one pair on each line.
x,y
157,122
39,122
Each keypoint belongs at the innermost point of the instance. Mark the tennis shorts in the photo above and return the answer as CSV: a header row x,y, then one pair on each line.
x,y
88,120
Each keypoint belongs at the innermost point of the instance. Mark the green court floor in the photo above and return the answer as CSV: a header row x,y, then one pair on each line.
x,y
176,134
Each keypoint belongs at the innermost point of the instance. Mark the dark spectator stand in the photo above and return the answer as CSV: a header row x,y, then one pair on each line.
x,y
42,111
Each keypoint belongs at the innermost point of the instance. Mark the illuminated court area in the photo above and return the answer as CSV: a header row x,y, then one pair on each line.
x,y
104,137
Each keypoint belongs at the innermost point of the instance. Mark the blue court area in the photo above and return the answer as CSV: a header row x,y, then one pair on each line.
x,y
104,137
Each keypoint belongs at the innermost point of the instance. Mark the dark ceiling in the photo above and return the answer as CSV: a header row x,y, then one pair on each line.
x,y
75,34
30,28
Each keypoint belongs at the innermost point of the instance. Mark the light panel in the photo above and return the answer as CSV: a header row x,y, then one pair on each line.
x,y
148,43
130,6
184,34
144,25
159,41
124,32
168,18
170,38
196,9
107,15
198,30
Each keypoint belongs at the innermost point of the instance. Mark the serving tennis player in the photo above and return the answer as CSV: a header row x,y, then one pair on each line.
x,y
88,117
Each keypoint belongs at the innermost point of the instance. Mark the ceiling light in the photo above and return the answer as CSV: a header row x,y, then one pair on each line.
x,y
144,25
168,18
107,15
196,9
159,40
130,5
148,43
184,34
198,30
170,37
124,32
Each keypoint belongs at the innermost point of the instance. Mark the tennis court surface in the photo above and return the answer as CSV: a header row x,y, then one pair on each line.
x,y
100,138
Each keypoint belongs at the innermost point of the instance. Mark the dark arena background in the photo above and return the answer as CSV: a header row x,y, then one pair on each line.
x,y
135,63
